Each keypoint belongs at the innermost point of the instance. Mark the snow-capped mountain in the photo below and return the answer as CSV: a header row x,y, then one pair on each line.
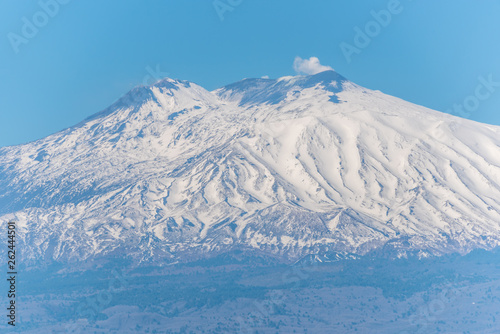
x,y
287,167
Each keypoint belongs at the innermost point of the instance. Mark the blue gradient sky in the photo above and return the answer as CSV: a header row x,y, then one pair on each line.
x,y
91,52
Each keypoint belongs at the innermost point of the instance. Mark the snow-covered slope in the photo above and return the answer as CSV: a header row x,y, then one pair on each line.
x,y
287,167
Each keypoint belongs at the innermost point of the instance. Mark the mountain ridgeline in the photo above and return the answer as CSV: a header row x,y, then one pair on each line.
x,y
286,168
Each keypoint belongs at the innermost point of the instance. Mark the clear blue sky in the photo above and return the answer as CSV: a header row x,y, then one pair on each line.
x,y
91,52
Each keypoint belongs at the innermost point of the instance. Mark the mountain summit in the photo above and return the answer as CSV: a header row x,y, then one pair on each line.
x,y
287,167
274,91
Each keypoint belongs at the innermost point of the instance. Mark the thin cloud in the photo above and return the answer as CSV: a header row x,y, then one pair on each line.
x,y
309,66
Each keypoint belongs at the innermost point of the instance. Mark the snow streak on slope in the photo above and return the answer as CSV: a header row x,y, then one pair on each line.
x,y
288,167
